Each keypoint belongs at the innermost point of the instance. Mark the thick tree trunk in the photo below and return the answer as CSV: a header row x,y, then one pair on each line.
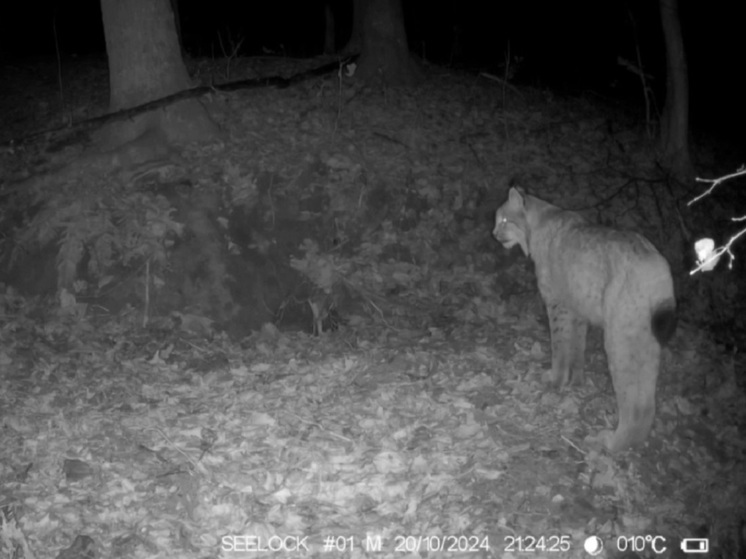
x,y
329,29
385,56
145,64
177,21
355,44
675,119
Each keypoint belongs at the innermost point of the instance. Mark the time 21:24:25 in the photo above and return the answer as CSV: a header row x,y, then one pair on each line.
x,y
528,544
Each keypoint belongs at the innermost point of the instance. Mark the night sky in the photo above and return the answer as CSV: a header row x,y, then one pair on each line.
x,y
568,46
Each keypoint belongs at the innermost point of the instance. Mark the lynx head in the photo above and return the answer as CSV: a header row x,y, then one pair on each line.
x,y
511,227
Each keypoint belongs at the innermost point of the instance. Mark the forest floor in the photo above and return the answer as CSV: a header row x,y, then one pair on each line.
x,y
414,422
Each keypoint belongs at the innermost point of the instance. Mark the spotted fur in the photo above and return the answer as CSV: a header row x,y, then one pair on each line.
x,y
588,274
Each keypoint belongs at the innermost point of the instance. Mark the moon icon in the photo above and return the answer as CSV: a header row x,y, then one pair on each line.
x,y
593,545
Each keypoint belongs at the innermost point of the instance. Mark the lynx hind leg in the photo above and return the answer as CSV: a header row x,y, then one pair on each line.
x,y
634,359
568,333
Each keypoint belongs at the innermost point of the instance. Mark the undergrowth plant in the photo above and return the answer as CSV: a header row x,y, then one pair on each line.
x,y
97,231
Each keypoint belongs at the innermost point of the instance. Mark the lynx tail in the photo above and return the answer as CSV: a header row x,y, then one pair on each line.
x,y
664,322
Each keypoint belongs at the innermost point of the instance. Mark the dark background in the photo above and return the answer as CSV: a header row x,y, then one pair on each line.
x,y
570,46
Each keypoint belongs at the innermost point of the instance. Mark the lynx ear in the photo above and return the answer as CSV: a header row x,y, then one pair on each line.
x,y
515,196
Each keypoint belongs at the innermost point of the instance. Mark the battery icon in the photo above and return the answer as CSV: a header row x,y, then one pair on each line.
x,y
695,545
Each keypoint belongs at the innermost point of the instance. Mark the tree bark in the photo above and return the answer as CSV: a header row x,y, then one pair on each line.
x,y
177,22
675,119
385,57
330,30
144,64
355,43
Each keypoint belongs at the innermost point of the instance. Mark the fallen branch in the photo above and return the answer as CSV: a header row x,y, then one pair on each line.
x,y
125,114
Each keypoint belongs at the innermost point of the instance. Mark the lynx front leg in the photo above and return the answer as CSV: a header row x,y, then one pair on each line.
x,y
634,359
568,332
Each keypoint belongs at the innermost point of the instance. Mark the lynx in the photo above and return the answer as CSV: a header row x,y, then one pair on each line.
x,y
588,274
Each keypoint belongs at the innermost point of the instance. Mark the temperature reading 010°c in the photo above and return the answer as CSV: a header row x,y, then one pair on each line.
x,y
639,544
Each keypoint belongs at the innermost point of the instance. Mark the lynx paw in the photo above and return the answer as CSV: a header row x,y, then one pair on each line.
x,y
551,379
547,378
603,440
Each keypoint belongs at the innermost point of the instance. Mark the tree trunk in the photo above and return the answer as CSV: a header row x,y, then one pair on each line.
x,y
675,119
355,44
329,29
177,21
385,56
145,64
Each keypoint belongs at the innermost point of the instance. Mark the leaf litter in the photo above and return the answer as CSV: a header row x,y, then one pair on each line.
x,y
423,425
